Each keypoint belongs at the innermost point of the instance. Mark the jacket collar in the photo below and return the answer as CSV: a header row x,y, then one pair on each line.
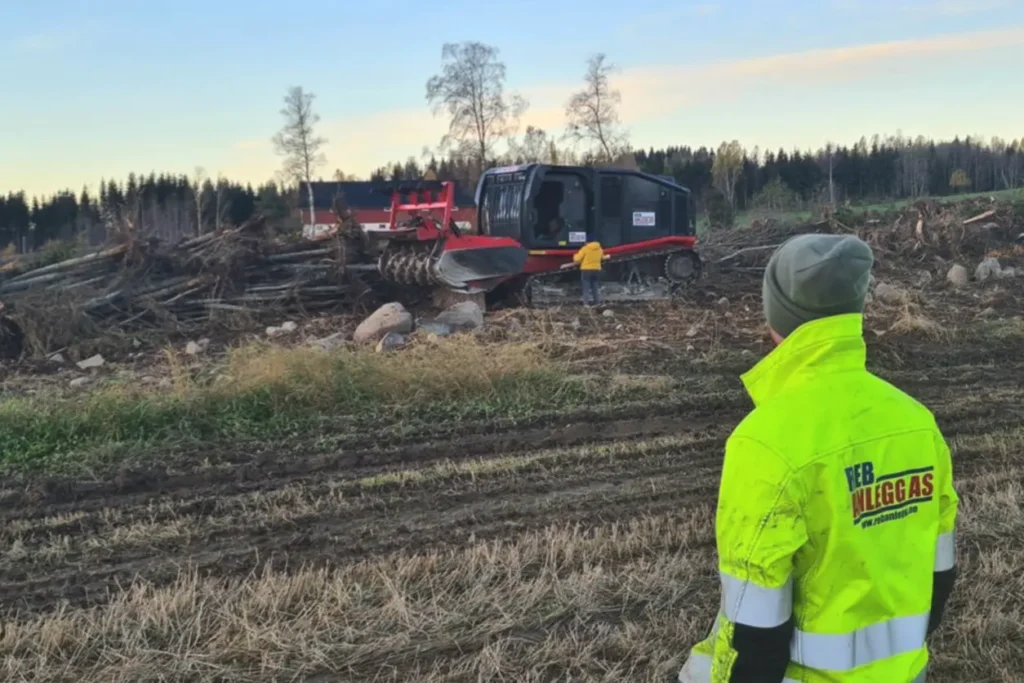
x,y
828,345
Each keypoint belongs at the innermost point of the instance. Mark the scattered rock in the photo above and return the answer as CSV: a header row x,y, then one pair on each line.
x,y
148,380
890,294
165,383
194,348
331,342
1007,273
922,278
388,318
988,268
79,382
462,317
391,340
94,362
575,324
987,313
58,358
285,328
608,313
722,303
692,332
958,275
136,343
437,329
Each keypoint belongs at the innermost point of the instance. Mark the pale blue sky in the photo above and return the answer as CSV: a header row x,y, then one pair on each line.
x,y
99,88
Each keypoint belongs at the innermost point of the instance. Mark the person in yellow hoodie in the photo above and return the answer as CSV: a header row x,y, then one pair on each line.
x,y
836,512
589,258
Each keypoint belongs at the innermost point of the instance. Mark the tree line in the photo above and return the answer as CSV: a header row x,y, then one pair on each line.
x,y
882,168
871,170
164,206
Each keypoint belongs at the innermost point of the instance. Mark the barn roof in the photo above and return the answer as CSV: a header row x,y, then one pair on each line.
x,y
366,194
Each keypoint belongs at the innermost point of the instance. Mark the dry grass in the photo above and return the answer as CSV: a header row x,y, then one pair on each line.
x,y
614,602
446,368
558,600
913,322
263,391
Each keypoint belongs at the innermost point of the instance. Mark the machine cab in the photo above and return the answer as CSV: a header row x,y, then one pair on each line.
x,y
563,207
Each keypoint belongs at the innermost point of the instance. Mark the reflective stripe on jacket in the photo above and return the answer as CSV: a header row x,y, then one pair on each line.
x,y
835,508
589,256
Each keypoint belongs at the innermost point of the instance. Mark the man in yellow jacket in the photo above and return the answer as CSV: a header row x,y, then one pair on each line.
x,y
836,511
589,258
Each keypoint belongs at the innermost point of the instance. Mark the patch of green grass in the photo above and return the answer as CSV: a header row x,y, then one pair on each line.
x,y
271,393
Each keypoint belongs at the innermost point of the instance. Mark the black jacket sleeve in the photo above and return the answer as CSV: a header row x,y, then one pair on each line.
x,y
762,653
942,587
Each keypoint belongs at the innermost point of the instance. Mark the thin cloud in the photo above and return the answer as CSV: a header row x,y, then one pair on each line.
x,y
655,91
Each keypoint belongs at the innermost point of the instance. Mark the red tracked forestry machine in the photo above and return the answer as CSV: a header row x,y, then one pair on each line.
x,y
531,219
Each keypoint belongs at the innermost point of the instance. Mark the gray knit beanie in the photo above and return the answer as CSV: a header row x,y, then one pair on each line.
x,y
815,276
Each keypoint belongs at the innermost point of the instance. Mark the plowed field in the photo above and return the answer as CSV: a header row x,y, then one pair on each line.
x,y
577,545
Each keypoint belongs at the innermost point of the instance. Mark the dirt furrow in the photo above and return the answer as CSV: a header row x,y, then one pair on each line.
x,y
329,540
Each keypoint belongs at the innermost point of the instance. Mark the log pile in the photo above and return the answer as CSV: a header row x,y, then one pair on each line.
x,y
239,270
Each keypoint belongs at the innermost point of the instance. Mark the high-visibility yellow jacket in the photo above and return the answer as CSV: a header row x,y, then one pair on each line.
x,y
589,256
835,509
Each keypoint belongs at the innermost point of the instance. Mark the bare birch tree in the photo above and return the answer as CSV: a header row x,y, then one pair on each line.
x,y
471,90
198,182
592,114
727,168
297,142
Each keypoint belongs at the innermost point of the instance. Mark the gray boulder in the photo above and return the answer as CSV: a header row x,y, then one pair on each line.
x,y
388,318
958,275
96,361
390,341
988,268
463,316
889,294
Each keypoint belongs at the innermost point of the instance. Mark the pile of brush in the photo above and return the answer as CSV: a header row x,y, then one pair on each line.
x,y
930,232
926,234
748,250
243,270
